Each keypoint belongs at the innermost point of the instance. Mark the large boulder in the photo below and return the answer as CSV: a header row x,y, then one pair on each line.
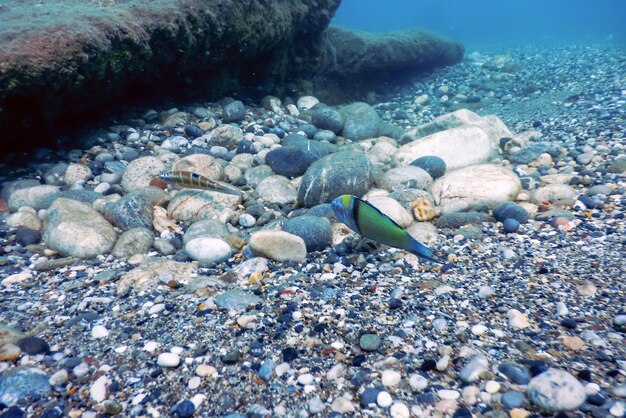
x,y
346,172
61,60
457,147
467,187
75,229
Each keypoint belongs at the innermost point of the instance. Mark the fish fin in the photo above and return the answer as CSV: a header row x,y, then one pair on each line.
x,y
422,251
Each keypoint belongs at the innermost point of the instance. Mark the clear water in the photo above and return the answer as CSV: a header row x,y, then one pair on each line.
x,y
482,22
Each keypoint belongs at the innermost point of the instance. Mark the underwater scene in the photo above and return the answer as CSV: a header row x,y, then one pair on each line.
x,y
312,208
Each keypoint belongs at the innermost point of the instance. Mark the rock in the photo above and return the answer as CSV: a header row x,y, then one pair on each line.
x,y
315,231
457,147
10,186
433,165
618,165
75,229
9,335
393,209
345,172
517,320
326,117
133,241
490,125
33,345
25,217
369,342
408,177
307,102
27,236
202,164
227,136
153,272
168,360
277,189
290,161
77,173
234,111
531,152
139,172
208,251
515,372
470,186
510,225
361,121
135,209
86,196
19,383
554,192
255,175
381,152
474,368
319,149
236,299
9,352
209,228
35,197
278,246
510,210
556,390
193,205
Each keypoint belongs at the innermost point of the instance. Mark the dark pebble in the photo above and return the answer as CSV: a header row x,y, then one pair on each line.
x,y
193,132
13,412
395,303
290,354
462,413
185,409
585,375
358,360
510,210
596,399
569,323
433,165
513,399
515,372
27,236
587,201
369,396
510,225
309,129
55,412
245,147
428,364
33,345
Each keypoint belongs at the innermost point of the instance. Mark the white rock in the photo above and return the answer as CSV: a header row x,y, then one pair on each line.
x,y
418,382
470,394
98,389
194,383
342,405
517,320
479,329
384,399
77,172
474,368
16,278
204,370
99,331
140,172
307,102
277,189
556,390
485,291
448,394
492,386
390,377
59,377
81,369
150,346
278,245
305,379
34,197
618,409
399,410
202,164
461,189
457,147
168,360
208,251
75,229
554,192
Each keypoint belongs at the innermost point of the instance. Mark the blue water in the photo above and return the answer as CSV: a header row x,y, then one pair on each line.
x,y
479,22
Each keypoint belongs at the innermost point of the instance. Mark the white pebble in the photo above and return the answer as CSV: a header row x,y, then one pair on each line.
x,y
281,369
156,308
390,377
492,386
442,363
479,329
98,389
150,346
470,394
198,399
246,220
58,378
177,350
399,410
485,291
448,394
121,349
418,382
316,405
99,331
342,405
168,360
592,389
81,370
194,383
384,399
561,309
618,409
305,379
204,370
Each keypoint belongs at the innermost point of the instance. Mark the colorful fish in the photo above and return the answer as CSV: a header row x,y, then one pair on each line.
x,y
190,180
371,223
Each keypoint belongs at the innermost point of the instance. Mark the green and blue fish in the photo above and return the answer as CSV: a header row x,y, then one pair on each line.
x,y
371,223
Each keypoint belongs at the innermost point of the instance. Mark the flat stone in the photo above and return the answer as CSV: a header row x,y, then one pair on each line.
x,y
556,390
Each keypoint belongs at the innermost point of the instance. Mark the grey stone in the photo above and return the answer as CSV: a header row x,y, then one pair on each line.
x,y
315,231
236,299
234,111
361,121
290,161
133,241
556,390
326,117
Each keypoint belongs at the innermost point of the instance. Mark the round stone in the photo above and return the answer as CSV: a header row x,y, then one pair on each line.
x,y
99,331
510,225
369,342
33,345
433,165
384,399
208,251
510,210
168,360
556,390
390,377
399,410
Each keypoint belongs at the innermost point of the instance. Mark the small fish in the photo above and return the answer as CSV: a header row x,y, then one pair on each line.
x,y
371,223
189,180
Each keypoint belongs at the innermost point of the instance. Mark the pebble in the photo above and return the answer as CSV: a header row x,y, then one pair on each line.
x,y
168,360
474,368
513,399
369,342
99,331
448,394
390,378
98,389
556,390
184,409
418,382
384,399
342,405
399,410
492,386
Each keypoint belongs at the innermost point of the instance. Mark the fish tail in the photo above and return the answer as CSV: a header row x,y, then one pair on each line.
x,y
422,251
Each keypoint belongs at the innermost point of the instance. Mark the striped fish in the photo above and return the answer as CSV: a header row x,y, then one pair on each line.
x,y
190,180
371,223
